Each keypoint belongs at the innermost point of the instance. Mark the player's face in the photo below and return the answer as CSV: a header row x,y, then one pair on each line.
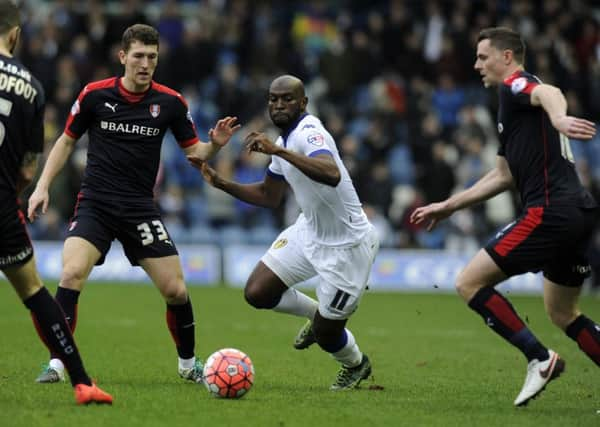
x,y
140,63
490,63
285,106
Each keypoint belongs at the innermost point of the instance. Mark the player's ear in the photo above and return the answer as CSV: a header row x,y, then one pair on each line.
x,y
508,56
13,38
122,56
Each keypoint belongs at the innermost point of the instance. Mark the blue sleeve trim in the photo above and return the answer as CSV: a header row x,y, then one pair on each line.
x,y
316,153
275,175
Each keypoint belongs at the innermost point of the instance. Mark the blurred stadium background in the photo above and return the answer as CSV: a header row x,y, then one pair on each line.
x,y
393,81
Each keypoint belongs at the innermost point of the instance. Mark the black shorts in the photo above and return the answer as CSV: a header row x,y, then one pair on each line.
x,y
137,225
15,245
554,240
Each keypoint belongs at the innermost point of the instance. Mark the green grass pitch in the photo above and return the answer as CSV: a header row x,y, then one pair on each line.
x,y
438,364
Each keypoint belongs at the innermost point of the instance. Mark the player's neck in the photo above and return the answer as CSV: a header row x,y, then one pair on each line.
x,y
4,51
130,86
8,43
512,70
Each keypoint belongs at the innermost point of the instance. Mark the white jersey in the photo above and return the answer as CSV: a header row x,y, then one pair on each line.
x,y
333,215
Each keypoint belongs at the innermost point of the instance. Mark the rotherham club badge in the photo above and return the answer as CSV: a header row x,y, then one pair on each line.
x,y
75,108
518,85
154,110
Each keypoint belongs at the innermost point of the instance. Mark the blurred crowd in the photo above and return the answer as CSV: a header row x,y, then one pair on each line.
x,y
392,80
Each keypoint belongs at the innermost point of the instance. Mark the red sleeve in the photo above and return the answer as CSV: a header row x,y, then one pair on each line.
x,y
183,126
81,113
78,119
520,87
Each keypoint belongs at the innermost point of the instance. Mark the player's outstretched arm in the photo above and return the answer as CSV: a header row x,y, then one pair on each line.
x,y
268,193
219,136
552,100
63,147
494,182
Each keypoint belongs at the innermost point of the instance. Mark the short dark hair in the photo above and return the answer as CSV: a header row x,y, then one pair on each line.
x,y
504,38
9,16
141,33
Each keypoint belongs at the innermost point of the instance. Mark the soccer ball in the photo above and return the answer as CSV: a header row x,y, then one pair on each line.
x,y
228,373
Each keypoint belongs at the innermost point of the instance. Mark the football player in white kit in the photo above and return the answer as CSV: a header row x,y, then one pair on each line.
x,y
332,237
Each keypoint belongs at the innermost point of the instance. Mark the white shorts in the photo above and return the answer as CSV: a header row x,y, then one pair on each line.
x,y
343,271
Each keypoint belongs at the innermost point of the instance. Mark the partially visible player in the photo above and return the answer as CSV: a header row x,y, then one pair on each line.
x,y
126,119
21,140
331,239
553,232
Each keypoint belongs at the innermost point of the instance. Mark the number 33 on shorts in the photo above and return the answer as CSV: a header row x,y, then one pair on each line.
x,y
149,231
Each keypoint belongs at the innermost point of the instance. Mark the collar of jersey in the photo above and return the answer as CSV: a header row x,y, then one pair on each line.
x,y
285,134
513,76
132,97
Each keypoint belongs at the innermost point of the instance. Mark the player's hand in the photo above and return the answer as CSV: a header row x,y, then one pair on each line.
x,y
223,130
434,212
38,198
259,142
574,127
209,174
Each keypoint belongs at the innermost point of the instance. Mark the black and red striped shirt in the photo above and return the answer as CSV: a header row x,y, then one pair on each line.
x,y
539,158
125,136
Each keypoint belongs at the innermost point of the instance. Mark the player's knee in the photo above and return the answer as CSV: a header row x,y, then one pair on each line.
x,y
561,317
175,292
72,278
464,287
26,285
467,285
257,297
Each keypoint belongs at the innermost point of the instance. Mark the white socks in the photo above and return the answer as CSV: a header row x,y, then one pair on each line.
x,y
350,355
57,365
297,303
187,363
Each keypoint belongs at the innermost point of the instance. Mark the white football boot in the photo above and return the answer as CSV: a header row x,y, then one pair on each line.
x,y
194,373
539,374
